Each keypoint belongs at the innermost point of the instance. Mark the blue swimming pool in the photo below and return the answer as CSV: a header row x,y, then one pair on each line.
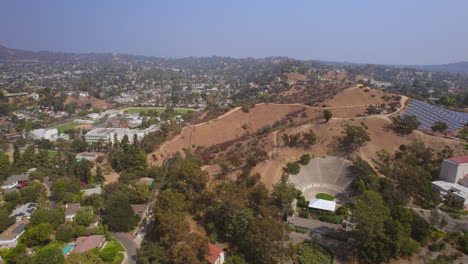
x,y
67,249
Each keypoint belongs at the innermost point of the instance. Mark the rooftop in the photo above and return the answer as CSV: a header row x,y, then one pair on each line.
x,y
24,210
213,253
14,178
84,244
322,204
72,208
14,230
454,188
460,159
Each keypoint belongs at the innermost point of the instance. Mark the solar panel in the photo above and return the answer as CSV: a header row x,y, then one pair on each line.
x,y
19,228
428,114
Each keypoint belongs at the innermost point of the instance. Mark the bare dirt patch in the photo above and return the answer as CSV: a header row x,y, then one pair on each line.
x,y
84,100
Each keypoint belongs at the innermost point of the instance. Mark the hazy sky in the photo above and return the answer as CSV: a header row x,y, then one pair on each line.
x,y
374,31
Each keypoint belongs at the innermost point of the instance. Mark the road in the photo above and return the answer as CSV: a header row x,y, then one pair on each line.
x,y
129,245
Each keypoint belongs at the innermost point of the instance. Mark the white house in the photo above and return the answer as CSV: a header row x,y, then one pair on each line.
x,y
13,181
453,178
9,237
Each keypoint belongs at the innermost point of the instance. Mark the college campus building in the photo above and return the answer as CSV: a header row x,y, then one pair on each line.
x,y
105,135
453,178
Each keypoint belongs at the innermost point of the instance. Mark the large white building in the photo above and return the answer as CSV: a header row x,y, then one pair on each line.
x,y
50,134
108,134
453,178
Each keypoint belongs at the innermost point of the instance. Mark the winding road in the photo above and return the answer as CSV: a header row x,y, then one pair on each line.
x,y
130,246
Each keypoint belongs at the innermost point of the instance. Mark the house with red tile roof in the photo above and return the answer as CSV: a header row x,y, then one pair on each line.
x,y
215,255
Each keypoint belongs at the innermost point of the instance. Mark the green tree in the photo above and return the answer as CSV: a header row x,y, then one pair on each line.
x,y
354,137
50,255
70,230
293,168
4,166
99,177
16,154
118,214
406,124
309,137
305,159
85,217
5,220
33,192
439,126
151,252
283,196
53,217
38,235
327,115
86,257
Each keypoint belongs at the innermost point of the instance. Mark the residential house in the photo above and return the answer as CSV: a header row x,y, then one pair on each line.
x,y
14,180
24,211
215,255
96,190
9,237
145,181
84,244
70,210
140,209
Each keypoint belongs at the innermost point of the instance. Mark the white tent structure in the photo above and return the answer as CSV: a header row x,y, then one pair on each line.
x,y
322,204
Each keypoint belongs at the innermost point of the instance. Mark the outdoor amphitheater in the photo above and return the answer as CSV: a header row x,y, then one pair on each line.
x,y
428,114
325,174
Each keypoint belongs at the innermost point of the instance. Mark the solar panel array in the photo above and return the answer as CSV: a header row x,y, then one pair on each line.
x,y
428,114
19,228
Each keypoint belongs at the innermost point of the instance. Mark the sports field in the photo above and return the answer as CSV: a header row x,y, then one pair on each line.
x,y
66,126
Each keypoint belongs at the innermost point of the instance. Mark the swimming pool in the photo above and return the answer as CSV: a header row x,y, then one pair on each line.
x,y
67,249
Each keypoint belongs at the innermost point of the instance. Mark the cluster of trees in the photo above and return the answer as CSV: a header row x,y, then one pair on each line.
x,y
414,167
125,156
405,125
353,138
241,213
385,227
308,139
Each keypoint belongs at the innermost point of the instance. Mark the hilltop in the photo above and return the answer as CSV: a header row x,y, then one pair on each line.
x,y
263,126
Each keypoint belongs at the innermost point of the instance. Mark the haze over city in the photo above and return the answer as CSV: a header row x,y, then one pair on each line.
x,y
383,32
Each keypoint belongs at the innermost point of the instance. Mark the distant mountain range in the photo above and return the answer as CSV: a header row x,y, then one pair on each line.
x,y
8,54
458,67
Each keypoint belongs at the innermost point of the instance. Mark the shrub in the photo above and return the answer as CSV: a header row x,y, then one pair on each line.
x,y
293,168
305,159
313,253
334,219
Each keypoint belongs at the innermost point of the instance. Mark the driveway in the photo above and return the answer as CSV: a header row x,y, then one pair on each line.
x,y
130,246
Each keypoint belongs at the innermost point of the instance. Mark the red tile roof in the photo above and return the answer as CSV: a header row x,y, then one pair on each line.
x,y
214,252
460,159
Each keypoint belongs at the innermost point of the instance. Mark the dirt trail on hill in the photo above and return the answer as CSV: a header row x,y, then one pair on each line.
x,y
235,124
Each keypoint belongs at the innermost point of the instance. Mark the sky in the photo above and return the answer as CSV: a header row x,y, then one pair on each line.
x,y
373,31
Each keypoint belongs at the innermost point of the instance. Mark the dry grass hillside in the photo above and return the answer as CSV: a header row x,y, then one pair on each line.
x,y
236,131
84,100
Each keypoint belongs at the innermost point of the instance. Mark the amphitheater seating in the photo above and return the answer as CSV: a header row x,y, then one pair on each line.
x,y
428,114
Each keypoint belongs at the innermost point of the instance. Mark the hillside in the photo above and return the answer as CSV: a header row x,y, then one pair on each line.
x,y
84,100
264,125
